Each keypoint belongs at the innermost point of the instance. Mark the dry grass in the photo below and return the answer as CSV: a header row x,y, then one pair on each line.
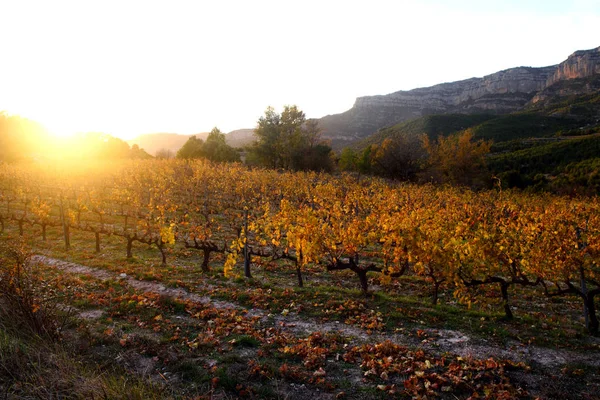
x,y
35,360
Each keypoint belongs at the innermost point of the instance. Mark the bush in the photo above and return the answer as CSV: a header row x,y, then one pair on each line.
x,y
27,302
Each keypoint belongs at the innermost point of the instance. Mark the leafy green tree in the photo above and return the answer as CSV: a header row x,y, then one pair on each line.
x,y
289,141
216,149
364,164
348,160
191,149
267,148
291,138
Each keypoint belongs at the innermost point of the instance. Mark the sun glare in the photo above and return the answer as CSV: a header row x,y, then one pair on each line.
x,y
58,128
61,134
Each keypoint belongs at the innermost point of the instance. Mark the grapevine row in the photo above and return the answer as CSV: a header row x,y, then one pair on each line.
x,y
454,238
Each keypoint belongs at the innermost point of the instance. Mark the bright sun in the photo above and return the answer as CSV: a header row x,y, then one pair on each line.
x,y
81,122
60,129
61,134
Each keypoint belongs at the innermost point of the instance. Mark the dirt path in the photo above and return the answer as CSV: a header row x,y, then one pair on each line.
x,y
144,286
438,341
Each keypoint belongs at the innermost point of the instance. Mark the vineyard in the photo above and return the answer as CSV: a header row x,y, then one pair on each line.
x,y
374,256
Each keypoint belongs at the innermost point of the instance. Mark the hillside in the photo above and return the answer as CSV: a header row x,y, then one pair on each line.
x,y
240,137
503,92
485,126
431,125
153,142
562,165
553,145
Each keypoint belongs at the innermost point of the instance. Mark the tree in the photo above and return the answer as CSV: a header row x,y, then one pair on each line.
x,y
315,158
289,141
398,158
456,159
216,149
267,148
364,161
164,154
191,149
104,146
348,160
312,133
137,152
292,139
312,152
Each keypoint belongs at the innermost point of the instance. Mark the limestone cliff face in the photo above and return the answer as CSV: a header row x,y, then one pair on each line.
x,y
581,64
469,93
502,92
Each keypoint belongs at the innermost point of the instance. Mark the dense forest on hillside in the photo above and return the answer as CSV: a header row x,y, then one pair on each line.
x,y
550,146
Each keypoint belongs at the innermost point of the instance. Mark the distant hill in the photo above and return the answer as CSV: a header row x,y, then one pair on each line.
x,y
554,144
240,137
557,115
153,142
504,92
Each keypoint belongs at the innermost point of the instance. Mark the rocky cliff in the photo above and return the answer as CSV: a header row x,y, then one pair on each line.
x,y
499,93
572,76
581,64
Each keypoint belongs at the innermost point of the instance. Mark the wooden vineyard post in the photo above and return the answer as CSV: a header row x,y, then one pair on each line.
x,y
586,312
97,235
65,225
247,273
584,291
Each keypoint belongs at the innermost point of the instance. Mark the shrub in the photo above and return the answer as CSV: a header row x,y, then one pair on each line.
x,y
27,301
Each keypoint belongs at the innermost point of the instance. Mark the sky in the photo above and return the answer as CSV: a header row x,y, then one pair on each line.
x,y
130,67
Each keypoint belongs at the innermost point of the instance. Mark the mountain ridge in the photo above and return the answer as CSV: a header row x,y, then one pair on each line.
x,y
502,92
